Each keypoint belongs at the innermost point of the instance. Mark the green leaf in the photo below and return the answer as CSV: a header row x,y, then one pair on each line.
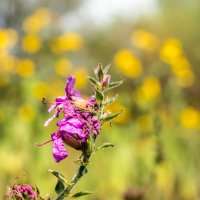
x,y
113,85
105,71
79,194
105,145
93,81
58,175
59,186
100,72
99,95
110,100
110,117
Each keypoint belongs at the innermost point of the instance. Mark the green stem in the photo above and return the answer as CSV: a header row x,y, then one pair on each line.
x,y
80,172
82,168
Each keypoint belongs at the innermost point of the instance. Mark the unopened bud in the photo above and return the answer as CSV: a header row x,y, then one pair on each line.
x,y
99,72
106,80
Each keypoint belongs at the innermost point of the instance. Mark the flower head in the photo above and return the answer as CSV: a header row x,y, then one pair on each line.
x,y
74,129
22,192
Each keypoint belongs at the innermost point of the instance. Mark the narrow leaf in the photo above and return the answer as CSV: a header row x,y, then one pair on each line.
x,y
105,145
110,100
114,85
111,117
100,72
58,175
105,71
93,81
99,95
59,187
79,194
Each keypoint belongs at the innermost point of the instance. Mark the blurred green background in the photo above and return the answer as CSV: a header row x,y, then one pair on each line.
x,y
153,45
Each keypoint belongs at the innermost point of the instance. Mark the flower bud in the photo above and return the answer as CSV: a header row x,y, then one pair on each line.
x,y
106,80
99,72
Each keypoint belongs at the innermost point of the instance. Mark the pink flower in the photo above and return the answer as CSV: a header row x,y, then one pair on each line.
x,y
22,192
76,126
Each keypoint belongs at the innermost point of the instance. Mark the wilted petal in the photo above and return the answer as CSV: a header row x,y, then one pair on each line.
x,y
59,151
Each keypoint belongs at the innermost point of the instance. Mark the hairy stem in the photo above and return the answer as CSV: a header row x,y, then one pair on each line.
x,y
87,152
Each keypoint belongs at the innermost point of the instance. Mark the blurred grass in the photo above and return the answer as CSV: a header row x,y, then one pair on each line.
x,y
157,134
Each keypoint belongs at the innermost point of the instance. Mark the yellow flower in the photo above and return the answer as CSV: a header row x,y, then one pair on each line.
x,y
8,64
124,117
144,40
31,43
148,91
26,113
35,22
171,49
63,67
26,68
40,90
182,69
81,77
8,38
127,63
186,78
190,118
67,42
145,123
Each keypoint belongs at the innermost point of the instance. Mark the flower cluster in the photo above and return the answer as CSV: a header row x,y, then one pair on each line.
x,y
78,122
22,192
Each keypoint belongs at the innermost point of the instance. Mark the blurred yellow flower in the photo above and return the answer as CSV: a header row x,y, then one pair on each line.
x,y
182,69
145,123
144,40
62,67
190,117
127,63
35,22
67,42
31,43
8,64
26,113
40,90
8,38
81,77
148,91
186,78
26,68
171,49
124,117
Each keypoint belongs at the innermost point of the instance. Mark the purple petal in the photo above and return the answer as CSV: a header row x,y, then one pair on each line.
x,y
72,126
92,100
70,84
59,151
52,108
75,93
68,109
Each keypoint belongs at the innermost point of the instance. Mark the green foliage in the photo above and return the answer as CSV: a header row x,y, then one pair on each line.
x,y
80,194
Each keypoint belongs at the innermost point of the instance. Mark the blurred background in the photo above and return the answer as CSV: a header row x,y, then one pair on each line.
x,y
153,45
